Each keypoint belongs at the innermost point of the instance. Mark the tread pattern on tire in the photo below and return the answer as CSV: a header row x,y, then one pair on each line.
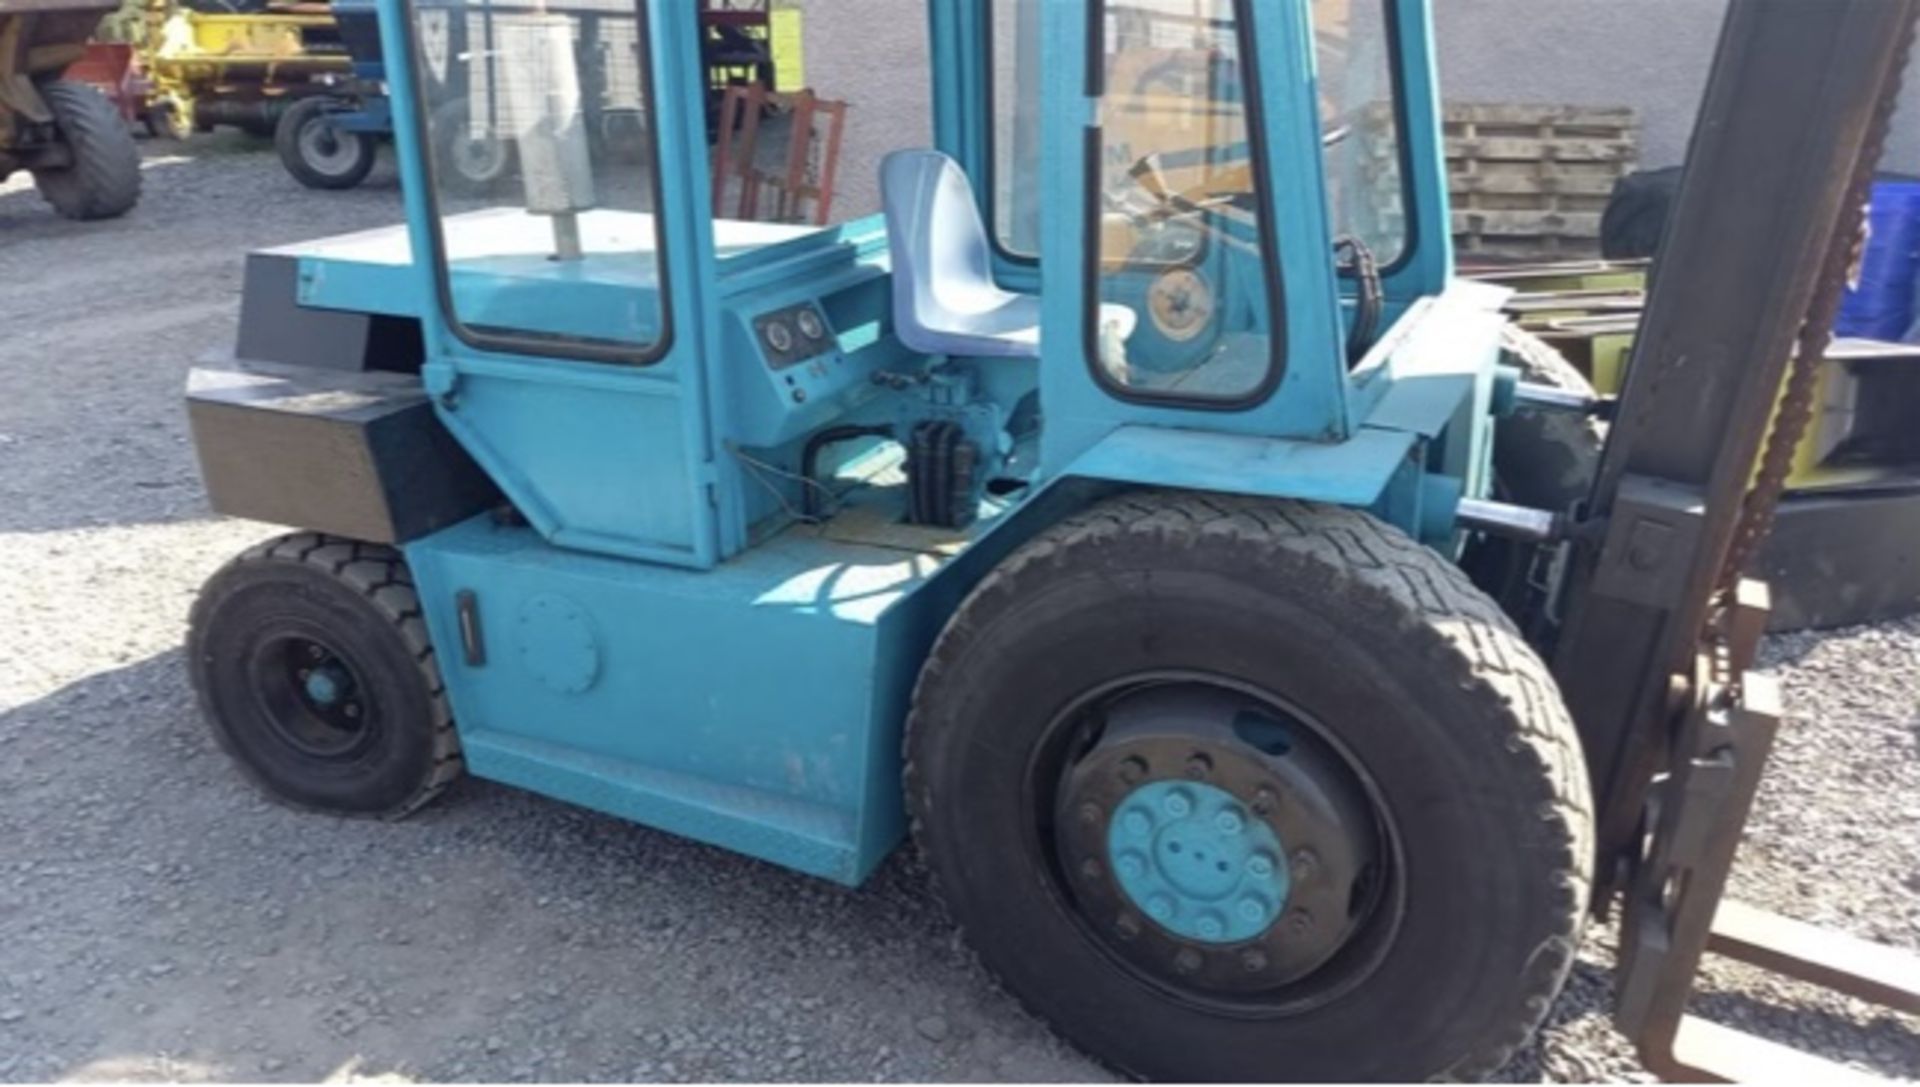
x,y
104,179
1464,634
379,574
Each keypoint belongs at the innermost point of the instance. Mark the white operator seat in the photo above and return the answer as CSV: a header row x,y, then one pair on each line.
x,y
945,301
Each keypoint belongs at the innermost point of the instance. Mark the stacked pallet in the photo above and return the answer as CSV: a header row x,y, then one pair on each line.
x,y
1531,182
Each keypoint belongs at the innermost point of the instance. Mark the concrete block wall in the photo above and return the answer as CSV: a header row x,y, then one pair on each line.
x,y
1652,55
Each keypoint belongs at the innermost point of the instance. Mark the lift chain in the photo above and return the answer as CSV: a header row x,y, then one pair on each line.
x,y
1796,408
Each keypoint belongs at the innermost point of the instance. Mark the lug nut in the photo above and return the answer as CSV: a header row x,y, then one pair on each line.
x,y
1137,823
1229,822
1299,923
1133,769
1252,909
1306,865
1211,928
1090,814
1090,868
1259,866
1160,908
1187,961
1253,960
1132,867
1199,766
1127,928
1264,802
1176,805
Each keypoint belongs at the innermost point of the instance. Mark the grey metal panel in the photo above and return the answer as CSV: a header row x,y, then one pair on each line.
x,y
275,327
1843,560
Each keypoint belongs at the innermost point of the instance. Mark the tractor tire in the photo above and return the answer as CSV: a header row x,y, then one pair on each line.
x,y
313,667
1543,460
103,179
1207,646
1636,215
463,165
317,152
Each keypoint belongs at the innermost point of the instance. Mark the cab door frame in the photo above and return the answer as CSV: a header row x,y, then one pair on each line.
x,y
1308,403
598,456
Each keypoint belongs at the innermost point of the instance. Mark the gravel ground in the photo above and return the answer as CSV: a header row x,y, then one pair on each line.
x,y
158,920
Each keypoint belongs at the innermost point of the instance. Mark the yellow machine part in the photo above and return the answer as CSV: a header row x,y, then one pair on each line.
x,y
224,46
788,45
192,57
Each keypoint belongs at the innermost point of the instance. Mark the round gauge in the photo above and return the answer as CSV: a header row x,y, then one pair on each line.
x,y
810,325
779,337
1181,305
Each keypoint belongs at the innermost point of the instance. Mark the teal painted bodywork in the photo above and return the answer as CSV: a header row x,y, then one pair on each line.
x,y
661,635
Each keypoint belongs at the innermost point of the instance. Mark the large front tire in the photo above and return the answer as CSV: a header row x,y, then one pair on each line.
x,y
313,667
102,177
1298,672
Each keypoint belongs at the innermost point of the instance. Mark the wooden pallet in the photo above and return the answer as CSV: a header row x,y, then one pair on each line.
x,y
1531,182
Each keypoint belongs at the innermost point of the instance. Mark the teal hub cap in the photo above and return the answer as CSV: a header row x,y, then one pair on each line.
x,y
323,686
1195,861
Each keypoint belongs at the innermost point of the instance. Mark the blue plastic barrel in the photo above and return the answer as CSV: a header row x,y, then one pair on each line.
x,y
1882,306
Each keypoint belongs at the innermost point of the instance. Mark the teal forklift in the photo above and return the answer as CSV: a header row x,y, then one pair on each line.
x,y
1135,514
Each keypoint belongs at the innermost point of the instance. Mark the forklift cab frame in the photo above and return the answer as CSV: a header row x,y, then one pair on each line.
x,y
766,535
648,415
1130,573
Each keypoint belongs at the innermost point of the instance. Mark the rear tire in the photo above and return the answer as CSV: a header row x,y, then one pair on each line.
x,y
465,165
103,179
1365,644
313,668
1544,460
318,152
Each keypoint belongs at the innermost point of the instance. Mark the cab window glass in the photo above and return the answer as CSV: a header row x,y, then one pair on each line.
x,y
1015,86
1181,252
1360,124
537,126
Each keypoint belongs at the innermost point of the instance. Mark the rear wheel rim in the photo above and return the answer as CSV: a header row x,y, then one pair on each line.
x,y
477,159
312,699
327,149
1143,789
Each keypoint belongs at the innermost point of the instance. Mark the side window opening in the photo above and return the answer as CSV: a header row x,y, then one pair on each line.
x,y
538,129
1182,265
1014,83
1360,122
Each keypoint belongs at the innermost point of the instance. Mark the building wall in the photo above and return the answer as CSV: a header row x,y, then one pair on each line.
x,y
873,55
1652,55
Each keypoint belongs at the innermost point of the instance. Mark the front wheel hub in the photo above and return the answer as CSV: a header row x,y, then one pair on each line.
x,y
1194,860
1215,842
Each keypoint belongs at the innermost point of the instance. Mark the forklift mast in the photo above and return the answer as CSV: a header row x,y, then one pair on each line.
x,y
1661,623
